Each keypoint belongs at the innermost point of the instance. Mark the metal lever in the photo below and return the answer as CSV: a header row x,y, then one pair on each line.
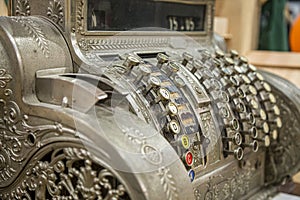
x,y
67,91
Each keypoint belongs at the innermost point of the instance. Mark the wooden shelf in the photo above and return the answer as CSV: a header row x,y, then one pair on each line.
x,y
274,59
284,64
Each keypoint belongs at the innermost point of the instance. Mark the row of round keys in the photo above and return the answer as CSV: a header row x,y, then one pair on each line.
x,y
244,89
237,93
162,96
171,69
204,75
245,105
267,99
247,70
238,88
201,70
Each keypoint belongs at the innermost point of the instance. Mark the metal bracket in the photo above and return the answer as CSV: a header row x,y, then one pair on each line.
x,y
53,88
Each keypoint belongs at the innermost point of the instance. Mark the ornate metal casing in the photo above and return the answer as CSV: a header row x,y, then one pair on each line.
x,y
89,111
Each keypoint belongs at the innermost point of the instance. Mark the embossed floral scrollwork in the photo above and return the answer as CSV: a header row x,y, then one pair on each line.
x,y
6,170
12,115
55,11
154,156
2,162
80,16
71,173
230,188
83,44
35,31
151,154
23,8
4,78
284,155
168,183
18,139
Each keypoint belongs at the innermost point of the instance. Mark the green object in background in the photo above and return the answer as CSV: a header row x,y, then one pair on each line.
x,y
6,2
273,27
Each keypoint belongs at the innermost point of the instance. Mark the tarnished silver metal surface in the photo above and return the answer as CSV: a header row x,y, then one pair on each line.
x,y
89,111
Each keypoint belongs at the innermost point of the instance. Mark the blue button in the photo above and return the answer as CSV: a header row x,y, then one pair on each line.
x,y
192,175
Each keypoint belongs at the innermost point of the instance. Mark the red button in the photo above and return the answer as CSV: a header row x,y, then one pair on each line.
x,y
189,158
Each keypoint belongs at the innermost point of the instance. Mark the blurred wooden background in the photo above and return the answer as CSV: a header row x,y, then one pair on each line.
x,y
3,8
239,23
284,64
243,19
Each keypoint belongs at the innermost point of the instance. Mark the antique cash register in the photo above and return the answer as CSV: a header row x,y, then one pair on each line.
x,y
133,99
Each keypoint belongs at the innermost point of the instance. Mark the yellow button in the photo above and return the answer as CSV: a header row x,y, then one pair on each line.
x,y
185,141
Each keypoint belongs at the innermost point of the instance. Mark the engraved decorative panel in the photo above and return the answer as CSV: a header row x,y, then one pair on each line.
x,y
4,78
119,43
168,183
67,173
23,8
35,32
285,152
55,12
60,173
154,157
80,17
18,138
